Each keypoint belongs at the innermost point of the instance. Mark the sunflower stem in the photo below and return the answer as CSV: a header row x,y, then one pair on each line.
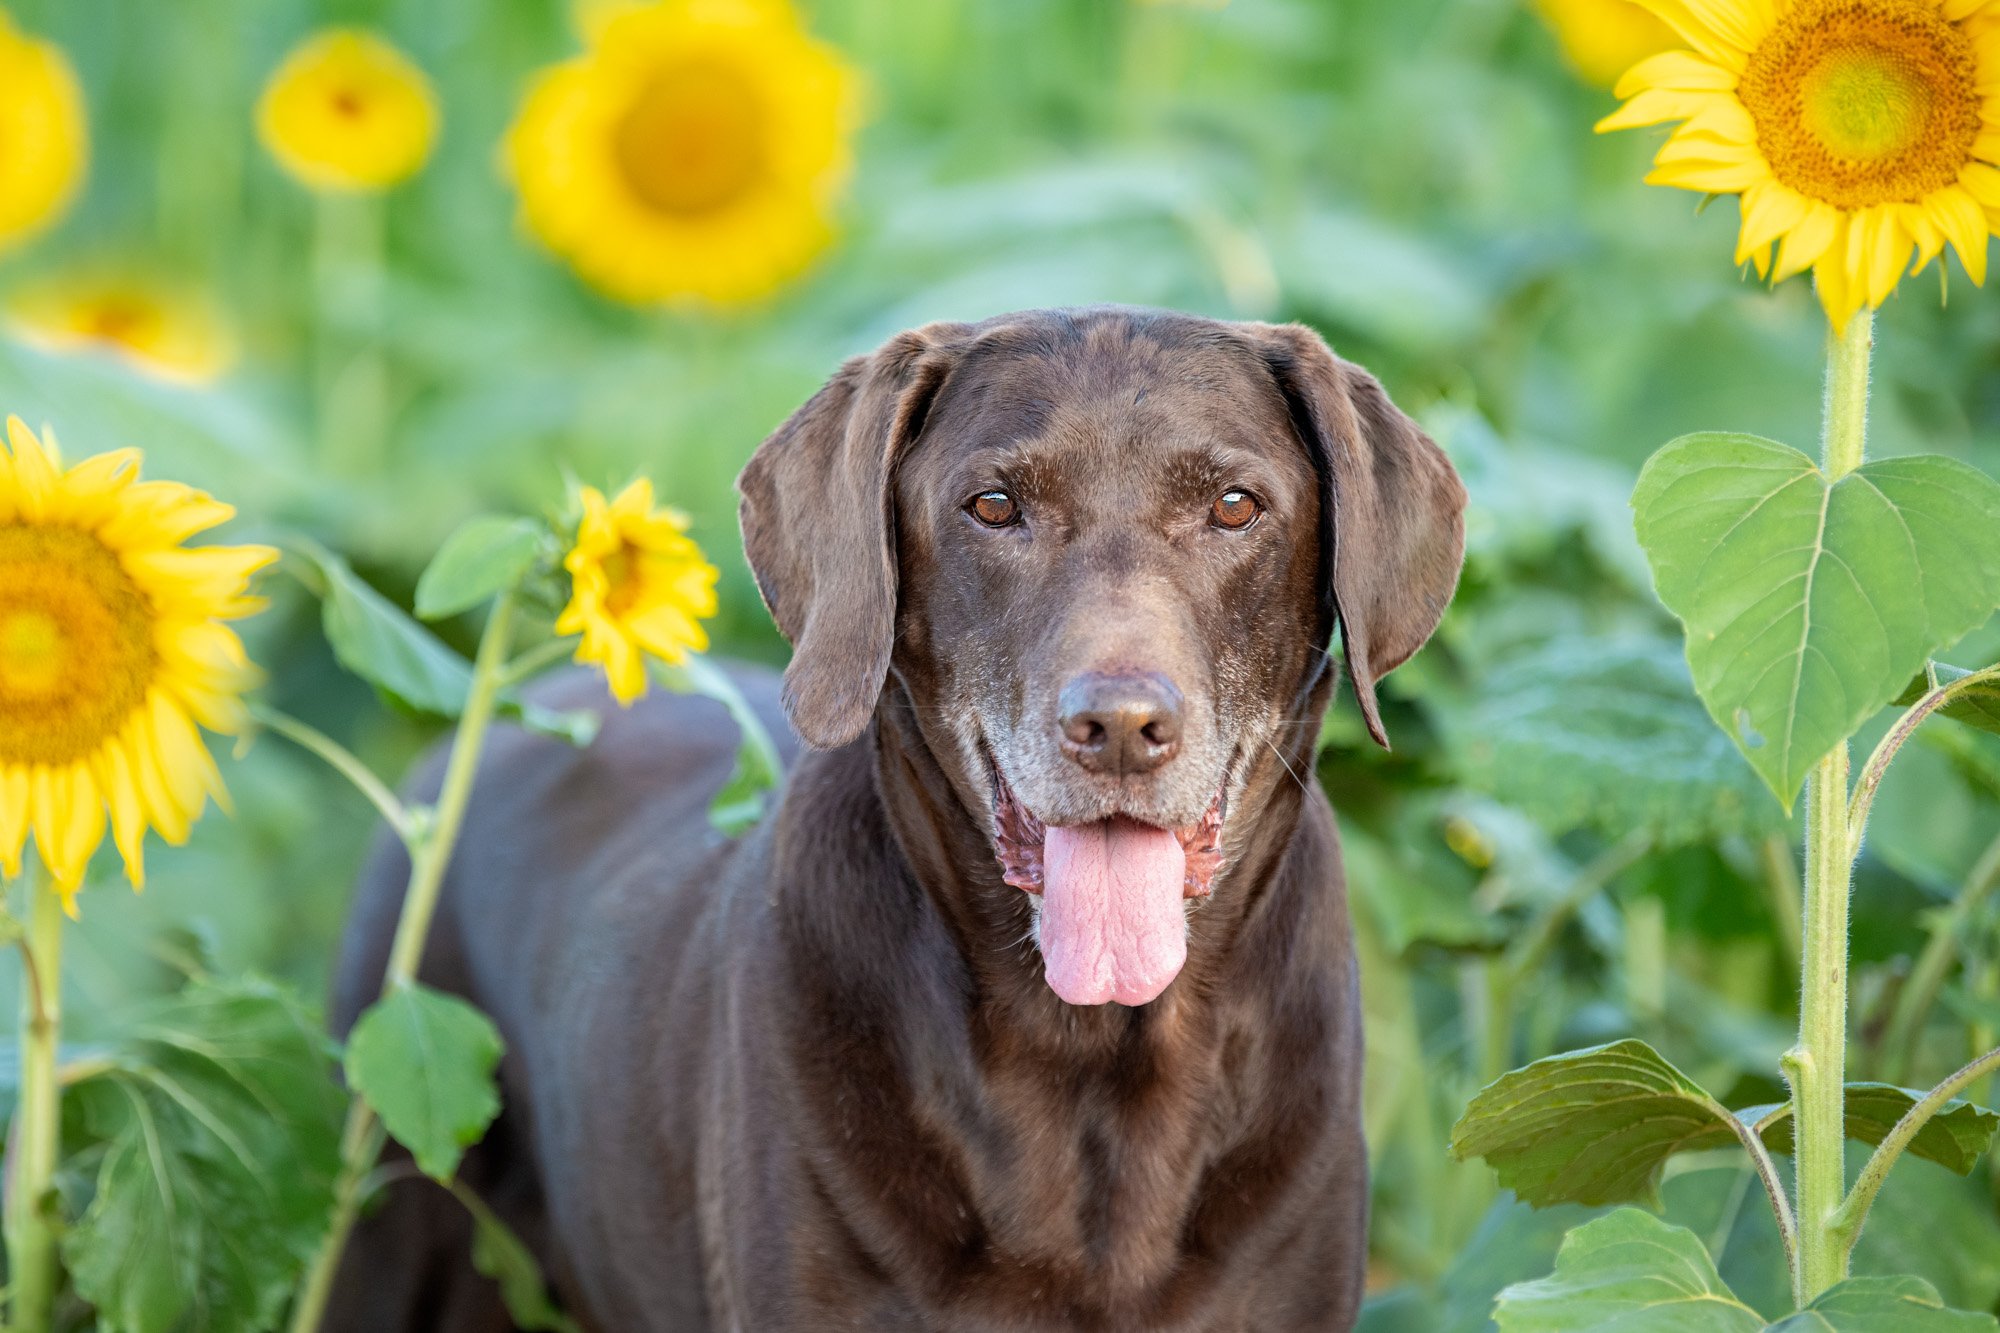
x,y
343,761
430,853
31,1156
1816,1067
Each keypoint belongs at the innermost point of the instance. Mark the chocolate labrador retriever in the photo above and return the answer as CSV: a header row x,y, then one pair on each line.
x,y
1033,1006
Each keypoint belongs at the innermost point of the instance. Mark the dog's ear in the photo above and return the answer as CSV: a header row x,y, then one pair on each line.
x,y
1392,528
818,527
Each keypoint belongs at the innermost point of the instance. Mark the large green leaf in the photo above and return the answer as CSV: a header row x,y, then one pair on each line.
x,y
1590,1126
1597,1126
220,1121
1809,605
1627,1272
1630,1272
486,554
1956,1137
1608,733
424,1062
1883,1305
376,640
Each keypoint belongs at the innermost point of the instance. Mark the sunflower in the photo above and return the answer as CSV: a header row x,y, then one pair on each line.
x,y
166,330
112,648
348,111
1861,134
639,585
44,145
694,150
1602,39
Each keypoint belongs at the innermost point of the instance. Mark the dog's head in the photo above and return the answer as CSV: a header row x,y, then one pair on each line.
x,y
1105,552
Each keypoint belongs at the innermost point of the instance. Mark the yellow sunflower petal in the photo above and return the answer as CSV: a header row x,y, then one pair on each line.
x,y
14,793
68,816
37,470
1960,218
1680,71
128,809
1769,212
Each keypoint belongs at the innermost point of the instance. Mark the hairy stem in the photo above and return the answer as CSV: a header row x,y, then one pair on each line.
x,y
362,1139
31,1157
1816,1068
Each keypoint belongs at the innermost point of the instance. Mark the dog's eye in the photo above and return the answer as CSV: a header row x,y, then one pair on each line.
x,y
996,509
1235,510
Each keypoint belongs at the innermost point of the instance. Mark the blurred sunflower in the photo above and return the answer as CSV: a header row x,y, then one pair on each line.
x,y
640,586
44,142
1602,39
163,329
112,648
1861,134
695,149
348,111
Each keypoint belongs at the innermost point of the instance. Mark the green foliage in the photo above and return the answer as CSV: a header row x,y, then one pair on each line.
x,y
424,1062
487,555
211,1141
1630,1272
1590,731
499,1254
374,639
1597,1126
1593,1126
1975,703
1809,605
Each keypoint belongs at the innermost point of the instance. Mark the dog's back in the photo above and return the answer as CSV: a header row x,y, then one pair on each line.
x,y
622,828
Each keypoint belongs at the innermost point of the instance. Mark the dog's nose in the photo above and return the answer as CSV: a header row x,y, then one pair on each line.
x,y
1120,723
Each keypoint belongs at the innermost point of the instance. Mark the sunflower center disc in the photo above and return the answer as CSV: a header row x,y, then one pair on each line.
x,y
76,647
692,142
1864,102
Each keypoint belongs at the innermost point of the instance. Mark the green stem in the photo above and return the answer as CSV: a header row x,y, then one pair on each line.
x,y
1817,1067
1920,992
351,380
343,761
533,661
1872,772
1853,1211
363,1137
31,1160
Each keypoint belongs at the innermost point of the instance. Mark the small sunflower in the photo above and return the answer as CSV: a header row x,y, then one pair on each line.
x,y
639,586
694,150
1602,39
168,331
1861,134
44,143
112,648
348,111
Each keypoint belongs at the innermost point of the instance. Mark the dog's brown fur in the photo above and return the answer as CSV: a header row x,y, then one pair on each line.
x,y
813,1079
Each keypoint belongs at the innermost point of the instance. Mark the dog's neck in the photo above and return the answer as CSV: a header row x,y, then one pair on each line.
x,y
1094,1145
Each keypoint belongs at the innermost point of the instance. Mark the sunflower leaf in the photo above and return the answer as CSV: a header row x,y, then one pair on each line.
x,y
1976,705
1883,1305
423,1061
1631,1271
499,1254
1955,1138
1809,605
487,555
218,1122
376,640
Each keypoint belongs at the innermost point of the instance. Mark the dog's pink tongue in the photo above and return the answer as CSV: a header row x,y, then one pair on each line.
x,y
1112,921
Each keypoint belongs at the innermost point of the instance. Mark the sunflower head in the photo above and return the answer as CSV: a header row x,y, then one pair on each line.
x,y
161,328
640,586
112,649
44,145
1859,133
1601,39
348,111
694,150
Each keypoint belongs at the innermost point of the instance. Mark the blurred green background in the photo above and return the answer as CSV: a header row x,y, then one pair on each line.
x,y
1561,848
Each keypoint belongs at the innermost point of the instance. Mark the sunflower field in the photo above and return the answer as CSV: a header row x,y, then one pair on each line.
x,y
361,359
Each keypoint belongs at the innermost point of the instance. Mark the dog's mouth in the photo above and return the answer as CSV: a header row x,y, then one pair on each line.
x,y
1113,924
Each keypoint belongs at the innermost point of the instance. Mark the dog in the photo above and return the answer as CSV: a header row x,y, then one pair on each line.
x,y
1033,1006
